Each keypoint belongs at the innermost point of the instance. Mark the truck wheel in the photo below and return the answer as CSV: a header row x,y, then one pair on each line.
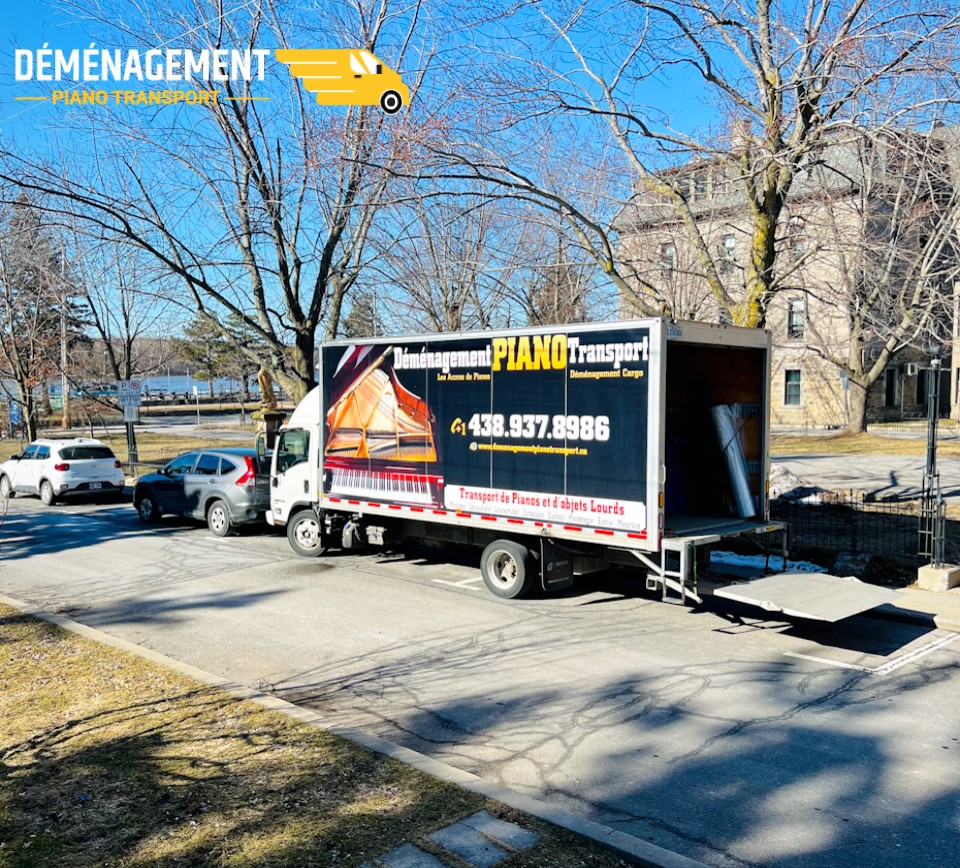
x,y
305,534
391,102
507,569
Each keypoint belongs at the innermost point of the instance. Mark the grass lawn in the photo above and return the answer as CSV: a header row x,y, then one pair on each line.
x,y
858,444
110,760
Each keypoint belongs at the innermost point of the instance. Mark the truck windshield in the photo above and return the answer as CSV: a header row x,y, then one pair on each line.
x,y
292,448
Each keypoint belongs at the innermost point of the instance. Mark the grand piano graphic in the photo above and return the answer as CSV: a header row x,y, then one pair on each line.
x,y
380,441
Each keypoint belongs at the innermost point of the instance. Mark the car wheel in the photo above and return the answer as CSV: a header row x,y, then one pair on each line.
x,y
6,489
147,508
507,569
305,534
218,519
47,497
391,102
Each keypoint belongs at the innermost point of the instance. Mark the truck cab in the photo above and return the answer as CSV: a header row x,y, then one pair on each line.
x,y
295,464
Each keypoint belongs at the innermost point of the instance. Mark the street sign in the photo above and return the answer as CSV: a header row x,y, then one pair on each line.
x,y
131,413
128,393
16,414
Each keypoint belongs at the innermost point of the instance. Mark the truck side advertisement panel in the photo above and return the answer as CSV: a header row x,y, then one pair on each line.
x,y
544,427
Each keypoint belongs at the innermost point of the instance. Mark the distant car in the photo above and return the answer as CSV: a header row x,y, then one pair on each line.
x,y
224,487
59,468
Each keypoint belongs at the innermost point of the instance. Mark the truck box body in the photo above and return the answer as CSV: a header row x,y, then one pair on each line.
x,y
620,435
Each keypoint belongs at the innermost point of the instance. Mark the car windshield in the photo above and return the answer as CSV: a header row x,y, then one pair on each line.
x,y
79,453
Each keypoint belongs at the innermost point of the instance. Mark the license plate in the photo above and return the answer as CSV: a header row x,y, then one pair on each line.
x,y
95,485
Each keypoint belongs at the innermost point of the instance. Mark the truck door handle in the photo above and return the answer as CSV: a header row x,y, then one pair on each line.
x,y
306,486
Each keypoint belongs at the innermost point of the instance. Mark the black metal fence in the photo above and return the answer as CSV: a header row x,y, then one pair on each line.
x,y
847,521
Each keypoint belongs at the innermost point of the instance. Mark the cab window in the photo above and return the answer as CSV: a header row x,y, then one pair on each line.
x,y
364,63
292,448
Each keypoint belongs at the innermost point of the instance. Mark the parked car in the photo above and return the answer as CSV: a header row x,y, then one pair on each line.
x,y
59,468
224,487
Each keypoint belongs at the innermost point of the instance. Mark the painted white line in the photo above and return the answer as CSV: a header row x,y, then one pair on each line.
x,y
463,583
916,655
836,663
886,668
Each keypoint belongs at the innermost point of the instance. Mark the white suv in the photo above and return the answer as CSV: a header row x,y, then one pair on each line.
x,y
56,468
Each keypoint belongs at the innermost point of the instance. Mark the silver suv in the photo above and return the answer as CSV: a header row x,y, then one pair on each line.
x,y
58,468
224,487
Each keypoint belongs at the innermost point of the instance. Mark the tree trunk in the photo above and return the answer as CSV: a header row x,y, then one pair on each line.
x,y
856,401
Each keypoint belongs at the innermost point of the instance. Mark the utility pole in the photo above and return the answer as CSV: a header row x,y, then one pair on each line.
x,y
66,421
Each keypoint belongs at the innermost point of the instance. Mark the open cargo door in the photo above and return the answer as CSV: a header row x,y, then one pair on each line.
x,y
817,596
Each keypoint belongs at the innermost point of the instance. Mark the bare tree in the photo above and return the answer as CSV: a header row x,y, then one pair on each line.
x,y
872,256
775,78
33,296
260,204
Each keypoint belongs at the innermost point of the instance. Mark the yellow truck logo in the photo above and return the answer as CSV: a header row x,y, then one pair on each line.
x,y
344,76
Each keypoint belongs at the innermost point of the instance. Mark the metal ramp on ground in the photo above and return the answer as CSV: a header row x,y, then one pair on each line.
x,y
817,596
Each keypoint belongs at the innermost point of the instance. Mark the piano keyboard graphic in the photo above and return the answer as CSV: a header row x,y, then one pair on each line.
x,y
385,485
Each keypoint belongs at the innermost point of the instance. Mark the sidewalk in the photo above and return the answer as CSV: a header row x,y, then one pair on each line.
x,y
926,608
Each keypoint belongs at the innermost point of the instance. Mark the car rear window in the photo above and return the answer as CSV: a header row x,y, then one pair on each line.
x,y
78,453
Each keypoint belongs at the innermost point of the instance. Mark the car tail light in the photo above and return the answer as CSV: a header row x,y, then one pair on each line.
x,y
117,464
61,467
249,475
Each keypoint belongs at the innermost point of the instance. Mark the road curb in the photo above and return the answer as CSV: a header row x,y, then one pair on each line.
x,y
643,852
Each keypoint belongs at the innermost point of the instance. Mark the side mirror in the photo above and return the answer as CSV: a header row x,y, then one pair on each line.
x,y
261,447
16,457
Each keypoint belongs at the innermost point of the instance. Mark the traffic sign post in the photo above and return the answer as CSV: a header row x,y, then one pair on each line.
x,y
128,397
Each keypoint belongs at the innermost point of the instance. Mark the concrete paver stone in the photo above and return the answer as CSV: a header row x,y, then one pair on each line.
x,y
469,844
510,834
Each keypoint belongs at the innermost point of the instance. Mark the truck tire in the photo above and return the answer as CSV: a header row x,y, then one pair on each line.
x,y
305,534
507,568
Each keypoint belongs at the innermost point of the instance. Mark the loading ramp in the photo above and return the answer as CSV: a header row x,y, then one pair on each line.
x,y
816,596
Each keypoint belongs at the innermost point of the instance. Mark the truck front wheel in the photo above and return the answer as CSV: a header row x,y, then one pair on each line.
x,y
507,568
305,534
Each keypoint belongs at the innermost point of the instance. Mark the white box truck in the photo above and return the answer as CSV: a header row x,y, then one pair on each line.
x,y
557,450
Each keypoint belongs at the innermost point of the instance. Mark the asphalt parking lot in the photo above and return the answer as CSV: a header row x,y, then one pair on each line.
x,y
719,733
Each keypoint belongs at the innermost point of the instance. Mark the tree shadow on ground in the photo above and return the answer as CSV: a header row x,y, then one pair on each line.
x,y
747,760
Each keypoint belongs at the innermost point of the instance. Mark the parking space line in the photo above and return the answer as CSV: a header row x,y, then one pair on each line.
x,y
463,583
888,667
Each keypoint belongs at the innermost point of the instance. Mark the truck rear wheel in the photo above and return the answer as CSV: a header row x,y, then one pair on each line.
x,y
507,568
305,534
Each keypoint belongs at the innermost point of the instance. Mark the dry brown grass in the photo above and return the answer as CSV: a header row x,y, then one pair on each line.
x,y
858,444
106,759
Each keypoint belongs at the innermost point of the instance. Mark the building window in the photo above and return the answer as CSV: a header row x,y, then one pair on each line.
x,y
728,253
797,237
668,259
699,185
791,388
795,319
